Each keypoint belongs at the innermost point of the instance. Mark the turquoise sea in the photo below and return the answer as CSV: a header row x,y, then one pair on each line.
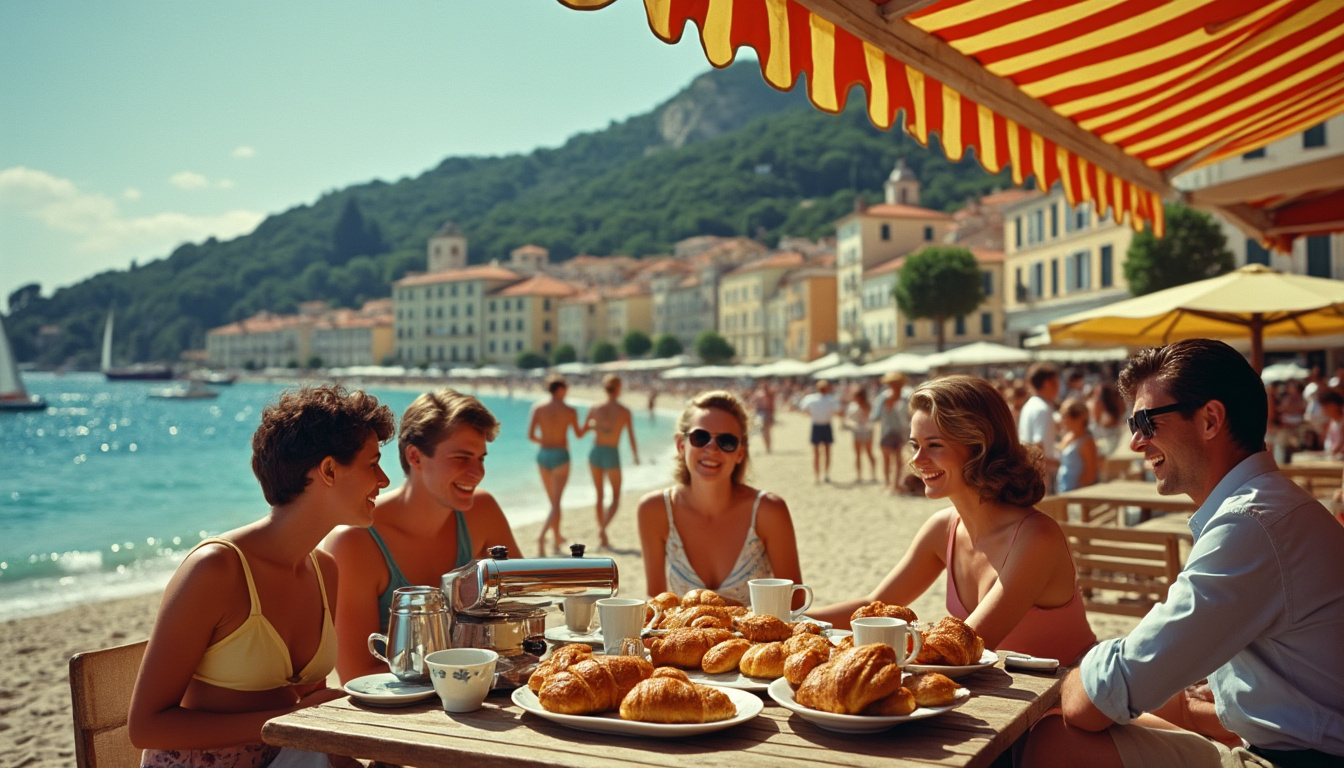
x,y
103,493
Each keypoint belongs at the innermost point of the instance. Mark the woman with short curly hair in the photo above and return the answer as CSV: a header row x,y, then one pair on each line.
x,y
711,530
1007,566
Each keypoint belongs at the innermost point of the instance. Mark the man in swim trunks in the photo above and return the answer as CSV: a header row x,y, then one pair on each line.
x,y
608,419
438,520
549,427
821,407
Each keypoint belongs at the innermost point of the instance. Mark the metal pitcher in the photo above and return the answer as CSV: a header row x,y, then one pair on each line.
x,y
418,625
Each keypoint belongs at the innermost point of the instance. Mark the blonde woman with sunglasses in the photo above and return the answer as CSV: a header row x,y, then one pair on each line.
x,y
710,530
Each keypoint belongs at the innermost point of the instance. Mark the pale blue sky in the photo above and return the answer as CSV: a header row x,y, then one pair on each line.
x,y
129,127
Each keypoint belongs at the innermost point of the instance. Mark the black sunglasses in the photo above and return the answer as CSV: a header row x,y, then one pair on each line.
x,y
699,438
1142,421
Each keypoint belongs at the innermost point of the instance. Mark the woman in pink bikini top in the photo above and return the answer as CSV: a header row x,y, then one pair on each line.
x,y
1007,566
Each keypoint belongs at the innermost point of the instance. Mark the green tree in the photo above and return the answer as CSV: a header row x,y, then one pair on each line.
x,y
713,348
529,359
314,362
564,353
354,236
602,352
1193,248
667,345
939,282
636,343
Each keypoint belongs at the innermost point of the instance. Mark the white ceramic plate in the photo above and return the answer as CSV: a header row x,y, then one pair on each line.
x,y
734,679
563,634
782,693
748,706
987,659
386,690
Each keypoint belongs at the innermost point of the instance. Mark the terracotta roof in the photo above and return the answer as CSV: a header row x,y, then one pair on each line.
x,y
540,285
782,260
477,272
628,291
587,297
901,211
1007,197
890,265
530,248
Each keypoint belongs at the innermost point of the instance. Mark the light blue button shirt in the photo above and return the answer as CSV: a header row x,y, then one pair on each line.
x,y
1258,610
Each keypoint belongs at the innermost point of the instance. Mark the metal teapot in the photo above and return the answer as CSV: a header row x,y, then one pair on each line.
x,y
419,623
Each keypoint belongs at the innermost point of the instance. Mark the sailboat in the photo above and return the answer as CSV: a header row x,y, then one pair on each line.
x,y
13,395
136,372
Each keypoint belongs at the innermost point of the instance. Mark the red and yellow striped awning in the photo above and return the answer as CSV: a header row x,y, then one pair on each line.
x,y
1109,98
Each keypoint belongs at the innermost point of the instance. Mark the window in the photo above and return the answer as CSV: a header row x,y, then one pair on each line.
x,y
987,323
1314,136
546,326
1318,256
1037,233
1254,154
492,305
470,353
987,282
910,330
470,309
452,311
1037,279
1256,253
1054,277
454,331
1082,216
492,345
928,234
1017,232
546,304
507,324
452,291
470,329
960,327
886,231
492,329
471,289
1078,272
1107,267
1054,221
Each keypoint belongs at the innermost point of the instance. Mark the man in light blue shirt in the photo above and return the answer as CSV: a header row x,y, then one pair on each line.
x,y
1258,608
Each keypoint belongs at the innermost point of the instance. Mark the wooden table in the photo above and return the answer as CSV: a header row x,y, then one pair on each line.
x,y
1314,470
1002,707
1104,502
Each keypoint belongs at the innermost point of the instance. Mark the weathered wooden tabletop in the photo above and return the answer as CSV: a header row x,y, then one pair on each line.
x,y
1002,707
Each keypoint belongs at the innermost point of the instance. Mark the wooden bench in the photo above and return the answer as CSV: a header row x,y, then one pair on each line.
x,y
100,695
1140,565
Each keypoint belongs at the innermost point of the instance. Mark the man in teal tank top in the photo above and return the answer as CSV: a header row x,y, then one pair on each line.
x,y
438,520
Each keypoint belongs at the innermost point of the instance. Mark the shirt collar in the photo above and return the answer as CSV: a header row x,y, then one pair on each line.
x,y
1252,466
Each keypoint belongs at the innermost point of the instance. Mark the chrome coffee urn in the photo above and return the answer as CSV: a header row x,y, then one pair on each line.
x,y
500,604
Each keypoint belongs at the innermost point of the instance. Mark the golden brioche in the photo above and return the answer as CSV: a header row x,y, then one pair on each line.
x,y
763,628
931,689
763,660
725,656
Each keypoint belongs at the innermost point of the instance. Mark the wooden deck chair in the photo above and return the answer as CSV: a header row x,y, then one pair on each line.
x,y
100,692
1138,565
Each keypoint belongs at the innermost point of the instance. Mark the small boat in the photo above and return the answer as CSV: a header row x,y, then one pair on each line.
x,y
195,390
13,395
220,378
136,372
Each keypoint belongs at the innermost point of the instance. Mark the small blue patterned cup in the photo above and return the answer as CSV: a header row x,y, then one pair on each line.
x,y
462,677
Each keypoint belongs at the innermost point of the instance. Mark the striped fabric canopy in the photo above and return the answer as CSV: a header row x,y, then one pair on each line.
x,y
1110,98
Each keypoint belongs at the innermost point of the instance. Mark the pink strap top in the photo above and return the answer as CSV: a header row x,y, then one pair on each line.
x,y
1054,633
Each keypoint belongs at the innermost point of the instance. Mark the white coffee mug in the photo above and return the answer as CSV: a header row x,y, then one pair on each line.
x,y
579,614
888,631
462,677
774,597
622,617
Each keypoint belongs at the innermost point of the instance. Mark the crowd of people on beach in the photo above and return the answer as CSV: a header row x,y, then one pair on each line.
x,y
1239,666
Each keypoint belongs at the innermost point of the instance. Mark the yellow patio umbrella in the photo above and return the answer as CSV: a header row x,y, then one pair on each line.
x,y
1251,303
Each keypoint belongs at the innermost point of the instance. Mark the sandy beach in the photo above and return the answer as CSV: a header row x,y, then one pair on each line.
x,y
849,535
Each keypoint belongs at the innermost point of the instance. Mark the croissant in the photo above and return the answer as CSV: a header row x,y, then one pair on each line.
x,y
951,642
931,689
797,666
560,659
763,660
667,601
806,628
594,685
851,680
669,698
803,642
702,616
685,648
737,611
846,644
725,656
763,628
702,597
902,702
879,608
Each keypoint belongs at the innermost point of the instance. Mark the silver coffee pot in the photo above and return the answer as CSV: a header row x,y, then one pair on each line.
x,y
419,623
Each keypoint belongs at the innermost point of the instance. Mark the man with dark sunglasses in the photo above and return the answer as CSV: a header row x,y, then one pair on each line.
x,y
821,407
1258,609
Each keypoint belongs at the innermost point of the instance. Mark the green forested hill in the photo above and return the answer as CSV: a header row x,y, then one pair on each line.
x,y
728,155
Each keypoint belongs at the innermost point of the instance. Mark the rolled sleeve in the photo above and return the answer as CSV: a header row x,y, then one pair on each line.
x,y
1105,681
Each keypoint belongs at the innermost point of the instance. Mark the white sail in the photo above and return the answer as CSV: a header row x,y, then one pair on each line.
x,y
11,386
107,342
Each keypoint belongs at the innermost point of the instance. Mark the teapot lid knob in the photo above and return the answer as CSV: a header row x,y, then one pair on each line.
x,y
576,550
499,552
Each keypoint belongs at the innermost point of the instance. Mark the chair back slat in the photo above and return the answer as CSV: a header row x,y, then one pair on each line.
x,y
100,695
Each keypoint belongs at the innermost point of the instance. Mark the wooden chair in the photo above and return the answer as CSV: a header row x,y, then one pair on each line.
x,y
100,692
1139,564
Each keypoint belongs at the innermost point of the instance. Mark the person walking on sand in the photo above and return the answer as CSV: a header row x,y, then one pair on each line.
x,y
608,420
858,420
821,407
549,427
763,402
439,519
891,412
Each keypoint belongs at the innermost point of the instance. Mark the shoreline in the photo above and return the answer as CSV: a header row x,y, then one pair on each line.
x,y
849,536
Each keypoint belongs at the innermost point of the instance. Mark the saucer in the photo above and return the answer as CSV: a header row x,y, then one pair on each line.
x,y
563,634
387,690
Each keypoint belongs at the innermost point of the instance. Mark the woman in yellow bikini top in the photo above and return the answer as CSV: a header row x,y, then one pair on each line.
x,y
248,608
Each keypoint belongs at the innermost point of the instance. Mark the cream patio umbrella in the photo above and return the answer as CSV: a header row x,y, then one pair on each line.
x,y
1250,303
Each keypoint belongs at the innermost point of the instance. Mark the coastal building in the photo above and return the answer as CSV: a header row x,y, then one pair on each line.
x,y
523,317
743,295
879,312
629,308
807,297
317,336
265,340
985,324
529,258
581,320
876,234
447,249
346,337
1058,259
685,304
440,316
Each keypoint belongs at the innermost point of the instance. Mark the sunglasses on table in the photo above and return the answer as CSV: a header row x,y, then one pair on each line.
x,y
699,438
1142,421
